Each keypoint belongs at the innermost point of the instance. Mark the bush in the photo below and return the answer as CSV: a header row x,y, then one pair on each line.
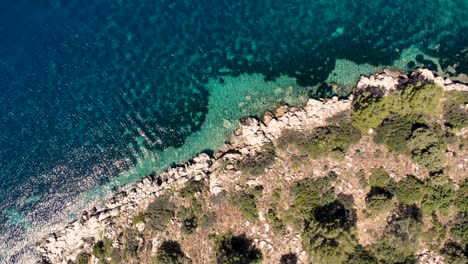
x,y
189,216
138,218
192,188
310,193
332,140
414,103
159,213
256,164
246,203
380,178
454,253
131,244
420,101
371,110
459,97
189,225
361,256
435,234
327,242
328,235
427,148
290,258
379,201
455,115
83,258
232,249
459,229
102,248
410,190
461,197
208,220
400,240
276,223
438,198
394,134
170,253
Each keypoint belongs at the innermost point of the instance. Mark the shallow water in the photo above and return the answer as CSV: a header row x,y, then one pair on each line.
x,y
95,94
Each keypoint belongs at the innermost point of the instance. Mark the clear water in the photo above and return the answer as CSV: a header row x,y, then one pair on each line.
x,y
95,94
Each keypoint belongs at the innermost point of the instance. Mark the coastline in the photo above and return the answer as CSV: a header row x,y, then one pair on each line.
x,y
251,135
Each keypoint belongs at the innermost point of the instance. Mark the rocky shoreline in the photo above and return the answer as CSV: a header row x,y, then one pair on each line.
x,y
251,135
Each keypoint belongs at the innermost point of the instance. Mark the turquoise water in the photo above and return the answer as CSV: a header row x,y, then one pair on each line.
x,y
96,94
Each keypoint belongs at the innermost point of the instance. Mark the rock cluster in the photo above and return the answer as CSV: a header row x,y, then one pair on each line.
x,y
251,135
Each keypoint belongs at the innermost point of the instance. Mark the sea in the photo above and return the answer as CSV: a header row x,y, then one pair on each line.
x,y
96,94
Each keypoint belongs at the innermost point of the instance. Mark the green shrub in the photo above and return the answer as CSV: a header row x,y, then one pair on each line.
x,y
327,242
394,134
131,244
276,194
192,188
427,148
460,97
461,197
420,101
170,253
414,103
115,257
436,234
208,220
138,218
310,193
379,201
232,249
332,140
83,258
455,115
459,229
454,253
98,250
290,258
256,164
276,223
256,191
438,198
380,178
189,216
399,242
370,110
329,233
410,190
102,248
361,256
246,203
159,213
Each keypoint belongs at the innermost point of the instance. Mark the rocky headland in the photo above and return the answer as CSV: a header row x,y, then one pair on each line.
x,y
220,173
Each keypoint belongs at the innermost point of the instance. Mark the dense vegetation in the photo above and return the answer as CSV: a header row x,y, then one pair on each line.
x,y
415,103
245,201
231,249
406,121
169,252
332,140
256,164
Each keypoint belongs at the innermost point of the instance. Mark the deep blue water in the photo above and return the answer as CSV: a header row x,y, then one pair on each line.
x,y
88,87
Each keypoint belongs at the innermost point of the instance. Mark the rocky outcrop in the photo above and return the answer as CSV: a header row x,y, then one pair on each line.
x,y
251,135
64,245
